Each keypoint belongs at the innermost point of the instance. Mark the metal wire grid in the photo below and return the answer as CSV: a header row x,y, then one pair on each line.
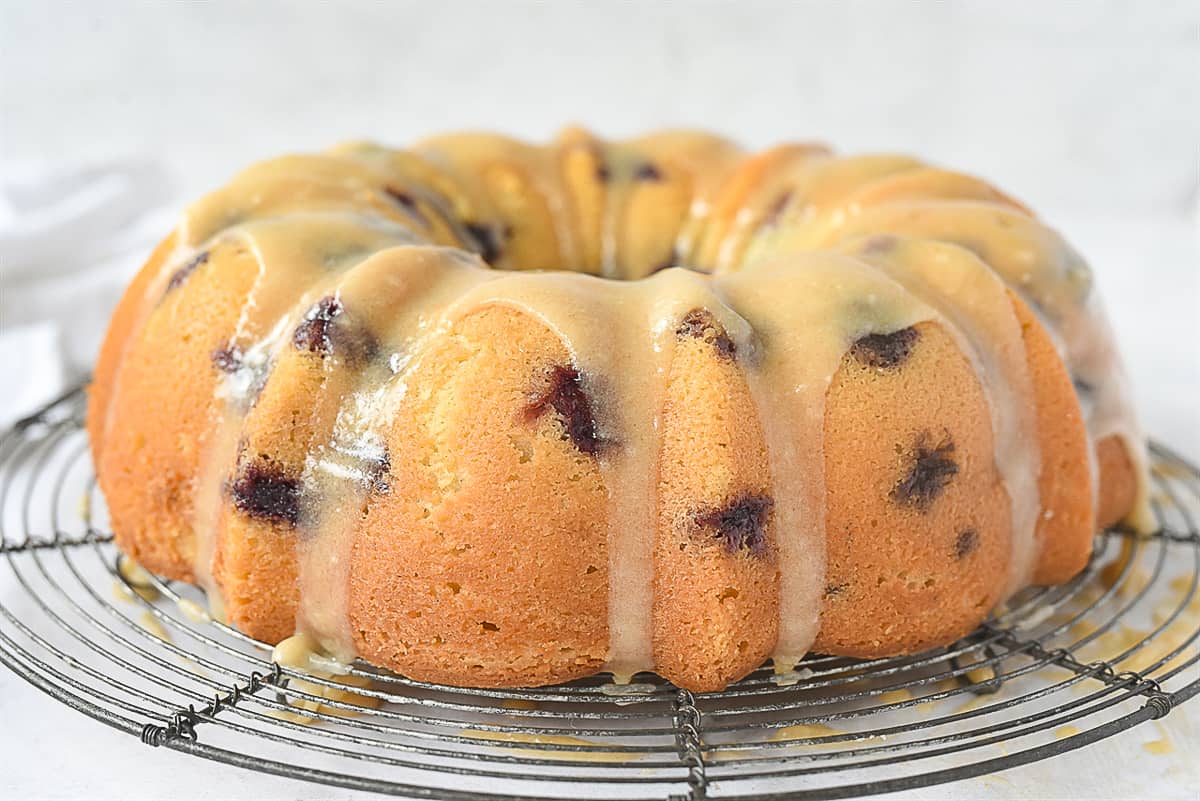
x,y
1058,669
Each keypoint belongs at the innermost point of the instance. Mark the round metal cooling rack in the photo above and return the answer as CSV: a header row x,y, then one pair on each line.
x,y
1056,669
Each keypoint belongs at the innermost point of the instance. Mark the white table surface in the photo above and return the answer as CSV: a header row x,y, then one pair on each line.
x,y
1091,116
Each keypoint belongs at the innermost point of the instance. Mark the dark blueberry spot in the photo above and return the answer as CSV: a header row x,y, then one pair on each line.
x,y
777,208
378,474
603,174
931,471
488,240
249,378
564,394
700,324
835,589
647,172
408,203
741,524
183,272
325,329
885,351
264,491
1083,388
879,243
314,333
966,543
227,359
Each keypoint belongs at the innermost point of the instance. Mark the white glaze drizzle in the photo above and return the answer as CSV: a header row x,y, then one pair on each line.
x,y
975,303
809,309
628,414
399,293
296,266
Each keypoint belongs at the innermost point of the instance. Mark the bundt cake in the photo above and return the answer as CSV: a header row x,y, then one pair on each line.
x,y
491,414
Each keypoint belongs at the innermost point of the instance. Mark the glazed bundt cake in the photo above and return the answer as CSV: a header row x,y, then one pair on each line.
x,y
494,414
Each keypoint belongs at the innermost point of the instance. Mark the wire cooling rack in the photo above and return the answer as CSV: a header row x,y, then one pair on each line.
x,y
1055,670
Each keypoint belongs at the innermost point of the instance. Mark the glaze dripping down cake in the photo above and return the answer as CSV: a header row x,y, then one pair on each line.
x,y
491,414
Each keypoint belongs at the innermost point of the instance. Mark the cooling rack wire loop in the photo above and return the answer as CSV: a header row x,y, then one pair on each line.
x,y
1056,669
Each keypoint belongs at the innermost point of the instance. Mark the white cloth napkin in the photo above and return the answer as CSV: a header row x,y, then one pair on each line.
x,y
70,238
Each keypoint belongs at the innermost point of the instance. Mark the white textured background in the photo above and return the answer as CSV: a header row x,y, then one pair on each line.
x,y
1090,112
1086,107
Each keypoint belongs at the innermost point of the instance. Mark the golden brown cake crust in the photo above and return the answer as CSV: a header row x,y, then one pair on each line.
x,y
255,561
163,411
1068,518
918,528
1118,481
716,576
125,325
232,414
498,549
